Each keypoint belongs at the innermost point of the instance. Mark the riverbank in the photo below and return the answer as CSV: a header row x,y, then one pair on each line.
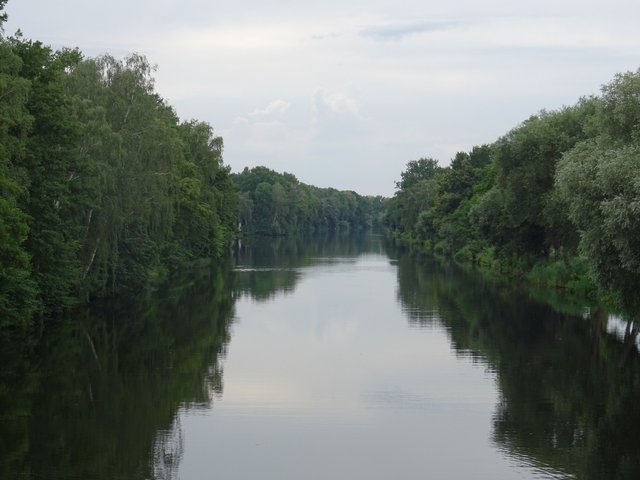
x,y
564,283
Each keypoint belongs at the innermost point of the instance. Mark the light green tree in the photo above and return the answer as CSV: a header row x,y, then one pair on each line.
x,y
599,181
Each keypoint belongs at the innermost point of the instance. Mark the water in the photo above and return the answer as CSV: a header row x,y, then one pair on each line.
x,y
336,358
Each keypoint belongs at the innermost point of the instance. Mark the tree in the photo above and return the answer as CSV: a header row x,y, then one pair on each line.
x,y
56,170
601,186
3,16
18,290
599,181
525,162
410,210
275,203
202,227
416,171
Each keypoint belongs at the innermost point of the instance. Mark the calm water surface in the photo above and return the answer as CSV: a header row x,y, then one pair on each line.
x,y
332,359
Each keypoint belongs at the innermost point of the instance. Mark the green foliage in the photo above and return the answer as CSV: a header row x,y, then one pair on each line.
x,y
103,189
52,165
272,203
571,273
206,207
161,192
410,211
18,291
599,182
601,186
619,112
417,171
524,204
525,160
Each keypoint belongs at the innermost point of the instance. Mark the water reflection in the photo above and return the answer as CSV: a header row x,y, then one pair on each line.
x,y
568,390
168,449
266,267
328,376
100,400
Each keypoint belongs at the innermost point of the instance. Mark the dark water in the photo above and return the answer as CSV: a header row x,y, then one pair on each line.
x,y
336,358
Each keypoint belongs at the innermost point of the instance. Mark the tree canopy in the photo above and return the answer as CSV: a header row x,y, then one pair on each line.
x,y
277,203
556,198
103,188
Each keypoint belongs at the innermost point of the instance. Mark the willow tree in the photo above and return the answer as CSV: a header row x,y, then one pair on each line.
x,y
599,181
131,140
206,200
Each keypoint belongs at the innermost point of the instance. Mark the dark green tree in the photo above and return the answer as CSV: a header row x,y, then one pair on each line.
x,y
18,291
278,204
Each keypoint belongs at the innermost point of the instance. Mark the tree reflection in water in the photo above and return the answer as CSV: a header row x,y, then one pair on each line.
x,y
167,452
568,389
101,399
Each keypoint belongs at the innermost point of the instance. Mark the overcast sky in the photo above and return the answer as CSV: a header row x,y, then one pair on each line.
x,y
345,93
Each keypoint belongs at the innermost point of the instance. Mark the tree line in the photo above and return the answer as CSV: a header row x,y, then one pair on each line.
x,y
104,190
556,199
275,203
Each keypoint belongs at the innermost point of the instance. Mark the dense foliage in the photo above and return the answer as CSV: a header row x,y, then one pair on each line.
x,y
275,204
103,188
556,198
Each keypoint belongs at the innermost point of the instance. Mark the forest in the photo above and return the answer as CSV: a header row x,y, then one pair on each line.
x,y
103,188
555,201
106,190
277,204
128,248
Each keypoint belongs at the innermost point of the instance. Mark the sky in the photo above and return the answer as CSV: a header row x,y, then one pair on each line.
x,y
345,93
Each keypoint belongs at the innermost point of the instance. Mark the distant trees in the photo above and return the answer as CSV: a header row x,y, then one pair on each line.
x,y
555,194
277,204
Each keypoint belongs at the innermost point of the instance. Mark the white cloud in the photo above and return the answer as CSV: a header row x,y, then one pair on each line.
x,y
338,103
275,107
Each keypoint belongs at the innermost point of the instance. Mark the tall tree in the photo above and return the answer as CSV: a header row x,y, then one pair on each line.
x,y
51,166
18,291
599,181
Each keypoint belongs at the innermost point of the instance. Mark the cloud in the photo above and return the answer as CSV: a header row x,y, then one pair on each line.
x,y
262,134
275,107
398,31
338,103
